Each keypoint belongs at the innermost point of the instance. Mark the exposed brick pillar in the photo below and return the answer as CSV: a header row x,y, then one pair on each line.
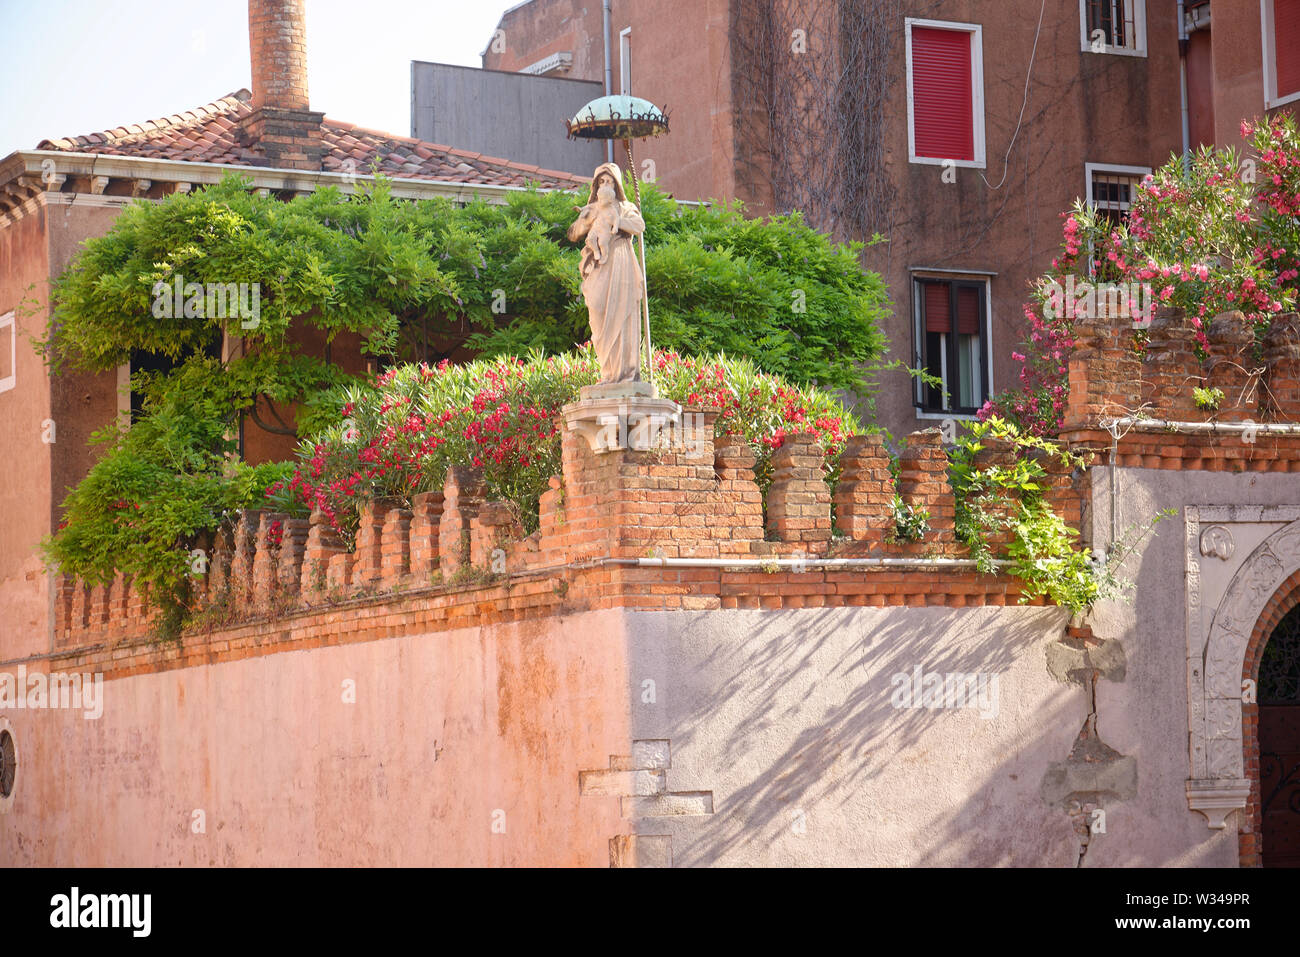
x,y
1104,372
395,547
1172,370
368,561
495,526
80,609
798,500
242,565
119,594
741,520
282,127
864,495
462,495
97,607
323,543
993,453
63,606
293,544
426,514
218,587
265,557
1282,359
550,508
923,482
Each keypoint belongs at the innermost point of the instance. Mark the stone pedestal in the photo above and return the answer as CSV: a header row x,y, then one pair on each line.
x,y
624,415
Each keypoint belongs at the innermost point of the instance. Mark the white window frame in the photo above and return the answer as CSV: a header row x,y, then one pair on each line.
x,y
1090,168
967,275
625,61
1139,47
977,92
11,380
1271,99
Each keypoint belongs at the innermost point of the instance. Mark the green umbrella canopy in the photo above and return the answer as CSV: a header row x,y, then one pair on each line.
x,y
618,118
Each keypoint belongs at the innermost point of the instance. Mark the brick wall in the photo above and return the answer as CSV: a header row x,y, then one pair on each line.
x,y
1112,378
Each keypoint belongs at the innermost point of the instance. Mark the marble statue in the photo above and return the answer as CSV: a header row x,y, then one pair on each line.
x,y
611,275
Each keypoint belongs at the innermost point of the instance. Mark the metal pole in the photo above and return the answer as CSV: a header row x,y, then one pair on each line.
x,y
645,290
609,74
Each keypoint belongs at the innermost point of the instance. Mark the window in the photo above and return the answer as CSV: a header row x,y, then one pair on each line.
x,y
161,364
945,93
8,352
952,343
1281,23
1110,189
625,61
8,764
1114,26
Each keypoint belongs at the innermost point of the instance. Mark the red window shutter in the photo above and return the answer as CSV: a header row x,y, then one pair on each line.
x,y
938,315
968,311
1286,44
943,106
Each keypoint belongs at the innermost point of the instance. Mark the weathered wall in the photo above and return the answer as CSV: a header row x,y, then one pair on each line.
x,y
680,58
1146,715
25,500
1081,107
445,730
786,717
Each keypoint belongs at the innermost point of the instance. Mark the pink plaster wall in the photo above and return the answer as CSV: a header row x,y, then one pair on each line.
x,y
446,729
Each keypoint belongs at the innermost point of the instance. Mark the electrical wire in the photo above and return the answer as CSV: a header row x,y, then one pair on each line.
x,y
1006,160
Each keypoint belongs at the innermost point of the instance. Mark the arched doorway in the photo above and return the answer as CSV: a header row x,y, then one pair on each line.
x,y
1278,730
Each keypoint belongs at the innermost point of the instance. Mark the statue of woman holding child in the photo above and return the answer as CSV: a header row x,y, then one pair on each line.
x,y
611,275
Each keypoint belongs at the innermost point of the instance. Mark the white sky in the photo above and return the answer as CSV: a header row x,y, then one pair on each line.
x,y
80,66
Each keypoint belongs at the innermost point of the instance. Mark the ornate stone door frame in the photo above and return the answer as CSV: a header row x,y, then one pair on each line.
x,y
1237,558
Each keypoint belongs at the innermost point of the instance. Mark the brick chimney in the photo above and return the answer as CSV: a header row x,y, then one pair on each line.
x,y
281,127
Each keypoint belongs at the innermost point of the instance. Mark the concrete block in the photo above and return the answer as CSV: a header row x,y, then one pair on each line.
x,y
676,804
622,783
641,850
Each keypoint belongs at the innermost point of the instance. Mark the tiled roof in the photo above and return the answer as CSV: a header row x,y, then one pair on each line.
x,y
209,134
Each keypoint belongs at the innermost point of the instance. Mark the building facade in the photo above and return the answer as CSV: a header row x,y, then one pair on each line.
x,y
959,130
66,190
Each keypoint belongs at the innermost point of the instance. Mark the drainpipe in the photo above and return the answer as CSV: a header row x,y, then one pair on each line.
x,y
609,73
1182,87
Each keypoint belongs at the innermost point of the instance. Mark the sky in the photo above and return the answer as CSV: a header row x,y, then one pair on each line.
x,y
80,66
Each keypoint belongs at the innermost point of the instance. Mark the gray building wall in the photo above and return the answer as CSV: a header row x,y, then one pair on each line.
x,y
513,116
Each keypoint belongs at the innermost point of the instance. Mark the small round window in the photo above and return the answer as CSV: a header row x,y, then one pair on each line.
x,y
8,763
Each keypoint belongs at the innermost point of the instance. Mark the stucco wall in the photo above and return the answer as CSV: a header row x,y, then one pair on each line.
x,y
25,499
773,737
1146,714
787,717
446,729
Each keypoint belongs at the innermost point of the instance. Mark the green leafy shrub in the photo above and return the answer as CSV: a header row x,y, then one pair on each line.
x,y
911,522
1044,553
1207,399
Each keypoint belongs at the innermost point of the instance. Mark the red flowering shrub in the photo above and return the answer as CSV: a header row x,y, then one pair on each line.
x,y
397,438
1220,235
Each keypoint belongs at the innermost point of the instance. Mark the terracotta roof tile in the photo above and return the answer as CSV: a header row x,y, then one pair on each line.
x,y
209,134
